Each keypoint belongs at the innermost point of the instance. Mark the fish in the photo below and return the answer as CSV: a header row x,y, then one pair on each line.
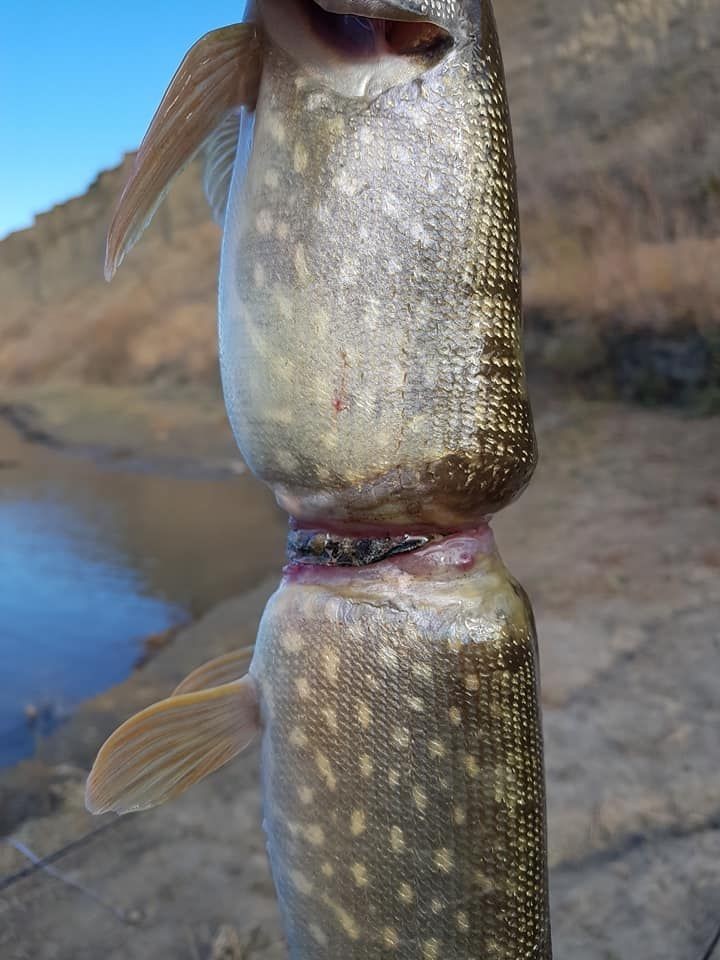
x,y
358,156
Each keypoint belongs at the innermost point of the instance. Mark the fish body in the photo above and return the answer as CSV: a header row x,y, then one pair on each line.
x,y
370,296
402,759
359,157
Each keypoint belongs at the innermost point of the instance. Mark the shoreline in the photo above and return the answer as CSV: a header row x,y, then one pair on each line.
x,y
28,787
616,540
30,423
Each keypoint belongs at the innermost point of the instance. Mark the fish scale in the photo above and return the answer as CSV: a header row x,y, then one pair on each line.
x,y
426,796
370,348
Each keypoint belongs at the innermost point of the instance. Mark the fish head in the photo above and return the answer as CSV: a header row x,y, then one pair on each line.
x,y
363,47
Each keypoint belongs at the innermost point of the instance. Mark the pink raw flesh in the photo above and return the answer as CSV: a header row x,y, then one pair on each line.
x,y
457,551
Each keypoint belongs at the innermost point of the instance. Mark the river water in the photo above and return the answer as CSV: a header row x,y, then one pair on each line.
x,y
95,558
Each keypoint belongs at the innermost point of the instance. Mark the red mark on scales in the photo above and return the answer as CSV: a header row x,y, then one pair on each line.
x,y
339,400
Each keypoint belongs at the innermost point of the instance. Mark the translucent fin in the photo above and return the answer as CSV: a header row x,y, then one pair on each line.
x,y
220,151
224,669
221,72
163,750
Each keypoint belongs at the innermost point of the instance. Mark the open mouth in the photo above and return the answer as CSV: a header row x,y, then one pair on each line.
x,y
366,37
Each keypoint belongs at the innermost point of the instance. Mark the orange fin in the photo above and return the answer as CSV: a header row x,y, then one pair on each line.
x,y
161,751
224,669
221,72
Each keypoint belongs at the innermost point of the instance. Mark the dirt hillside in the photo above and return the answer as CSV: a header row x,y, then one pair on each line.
x,y
615,109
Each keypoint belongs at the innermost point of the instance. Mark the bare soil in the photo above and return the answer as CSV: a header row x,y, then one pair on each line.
x,y
618,542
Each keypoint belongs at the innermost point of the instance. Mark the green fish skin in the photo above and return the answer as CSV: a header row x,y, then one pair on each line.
x,y
370,313
358,155
402,759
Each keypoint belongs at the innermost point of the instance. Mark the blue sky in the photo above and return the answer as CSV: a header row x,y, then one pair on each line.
x,y
79,82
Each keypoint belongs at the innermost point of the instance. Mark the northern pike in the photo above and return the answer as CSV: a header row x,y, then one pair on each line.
x,y
359,158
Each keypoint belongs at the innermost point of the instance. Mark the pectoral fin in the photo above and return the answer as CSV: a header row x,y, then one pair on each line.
x,y
164,749
224,669
219,152
220,73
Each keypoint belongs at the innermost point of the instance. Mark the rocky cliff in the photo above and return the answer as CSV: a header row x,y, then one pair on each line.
x,y
61,320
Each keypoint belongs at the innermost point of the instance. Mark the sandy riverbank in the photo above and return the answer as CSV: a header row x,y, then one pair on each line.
x,y
617,542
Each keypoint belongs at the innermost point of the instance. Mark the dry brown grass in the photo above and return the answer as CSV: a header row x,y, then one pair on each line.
x,y
617,259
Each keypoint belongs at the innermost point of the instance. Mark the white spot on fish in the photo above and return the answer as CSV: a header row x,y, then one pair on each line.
x,y
459,815
443,860
366,765
400,737
336,126
327,869
330,665
348,184
390,938
359,872
291,641
364,715
432,181
397,839
298,737
406,893
421,671
357,823
416,704
318,934
472,682
419,798
483,882
315,834
301,267
431,949
300,158
472,767
346,920
282,230
325,768
419,234
316,100
305,794
461,918
391,206
437,906
300,882
393,776
388,658
436,749
264,222
455,716
283,302
276,128
259,276
330,718
302,687
272,178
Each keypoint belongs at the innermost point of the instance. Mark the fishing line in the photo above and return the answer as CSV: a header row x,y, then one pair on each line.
x,y
13,878
68,881
710,949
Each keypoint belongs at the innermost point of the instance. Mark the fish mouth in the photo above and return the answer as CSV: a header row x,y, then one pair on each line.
x,y
358,48
362,37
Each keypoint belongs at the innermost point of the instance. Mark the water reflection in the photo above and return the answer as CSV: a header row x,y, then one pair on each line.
x,y
93,560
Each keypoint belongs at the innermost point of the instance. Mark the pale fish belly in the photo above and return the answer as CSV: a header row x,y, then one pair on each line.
x,y
402,762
